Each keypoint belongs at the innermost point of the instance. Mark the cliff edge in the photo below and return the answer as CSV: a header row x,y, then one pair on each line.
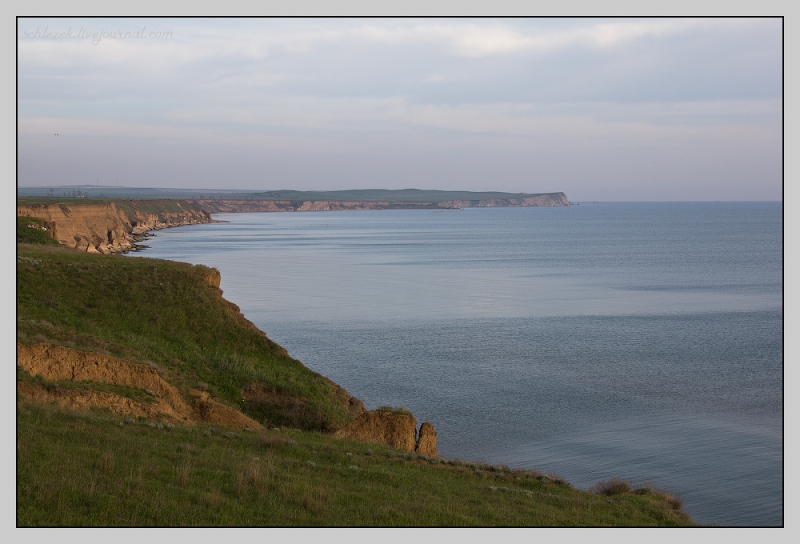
x,y
301,205
110,226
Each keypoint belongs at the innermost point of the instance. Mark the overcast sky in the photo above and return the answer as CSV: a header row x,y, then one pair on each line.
x,y
602,109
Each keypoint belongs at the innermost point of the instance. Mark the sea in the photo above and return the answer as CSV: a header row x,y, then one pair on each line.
x,y
641,341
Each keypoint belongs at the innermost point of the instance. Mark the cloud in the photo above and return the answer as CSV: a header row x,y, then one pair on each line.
x,y
191,42
436,100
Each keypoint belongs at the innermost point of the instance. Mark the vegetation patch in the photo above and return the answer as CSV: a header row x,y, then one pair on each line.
x,y
393,410
32,230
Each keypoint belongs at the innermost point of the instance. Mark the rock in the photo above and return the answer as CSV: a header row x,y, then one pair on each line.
x,y
389,428
426,444
398,430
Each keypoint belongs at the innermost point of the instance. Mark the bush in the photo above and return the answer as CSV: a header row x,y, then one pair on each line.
x,y
614,486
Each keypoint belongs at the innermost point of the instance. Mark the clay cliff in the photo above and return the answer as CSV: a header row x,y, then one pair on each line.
x,y
116,226
395,429
54,362
550,199
240,206
111,226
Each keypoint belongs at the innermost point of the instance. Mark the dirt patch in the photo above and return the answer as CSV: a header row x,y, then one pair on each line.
x,y
59,363
85,399
208,410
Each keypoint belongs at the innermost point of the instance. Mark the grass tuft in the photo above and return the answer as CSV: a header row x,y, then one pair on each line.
x,y
394,410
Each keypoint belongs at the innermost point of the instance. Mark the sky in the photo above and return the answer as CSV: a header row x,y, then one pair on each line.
x,y
601,109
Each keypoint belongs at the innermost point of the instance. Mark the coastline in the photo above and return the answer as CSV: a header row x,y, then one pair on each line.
x,y
478,469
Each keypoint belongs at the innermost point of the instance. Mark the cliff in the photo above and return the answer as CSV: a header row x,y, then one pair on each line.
x,y
548,200
161,335
110,226
239,206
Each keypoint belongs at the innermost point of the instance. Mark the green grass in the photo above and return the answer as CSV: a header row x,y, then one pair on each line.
x,y
167,313
96,469
31,230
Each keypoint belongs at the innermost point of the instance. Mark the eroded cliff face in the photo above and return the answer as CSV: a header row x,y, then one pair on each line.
x,y
549,200
398,430
54,362
244,206
105,227
240,206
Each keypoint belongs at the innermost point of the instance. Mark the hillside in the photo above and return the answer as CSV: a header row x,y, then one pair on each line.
x,y
146,398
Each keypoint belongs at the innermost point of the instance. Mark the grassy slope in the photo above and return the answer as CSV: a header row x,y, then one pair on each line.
x,y
97,469
151,205
100,469
29,231
167,313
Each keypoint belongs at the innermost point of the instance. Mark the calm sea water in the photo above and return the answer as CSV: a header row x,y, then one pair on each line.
x,y
633,340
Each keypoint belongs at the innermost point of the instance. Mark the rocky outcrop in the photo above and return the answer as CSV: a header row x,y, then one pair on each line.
x,y
426,443
111,226
392,429
395,429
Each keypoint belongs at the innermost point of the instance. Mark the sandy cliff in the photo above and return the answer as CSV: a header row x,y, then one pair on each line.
x,y
110,227
550,199
395,429
240,206
116,226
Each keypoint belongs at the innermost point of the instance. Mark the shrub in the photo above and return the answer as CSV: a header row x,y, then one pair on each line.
x,y
674,502
614,486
